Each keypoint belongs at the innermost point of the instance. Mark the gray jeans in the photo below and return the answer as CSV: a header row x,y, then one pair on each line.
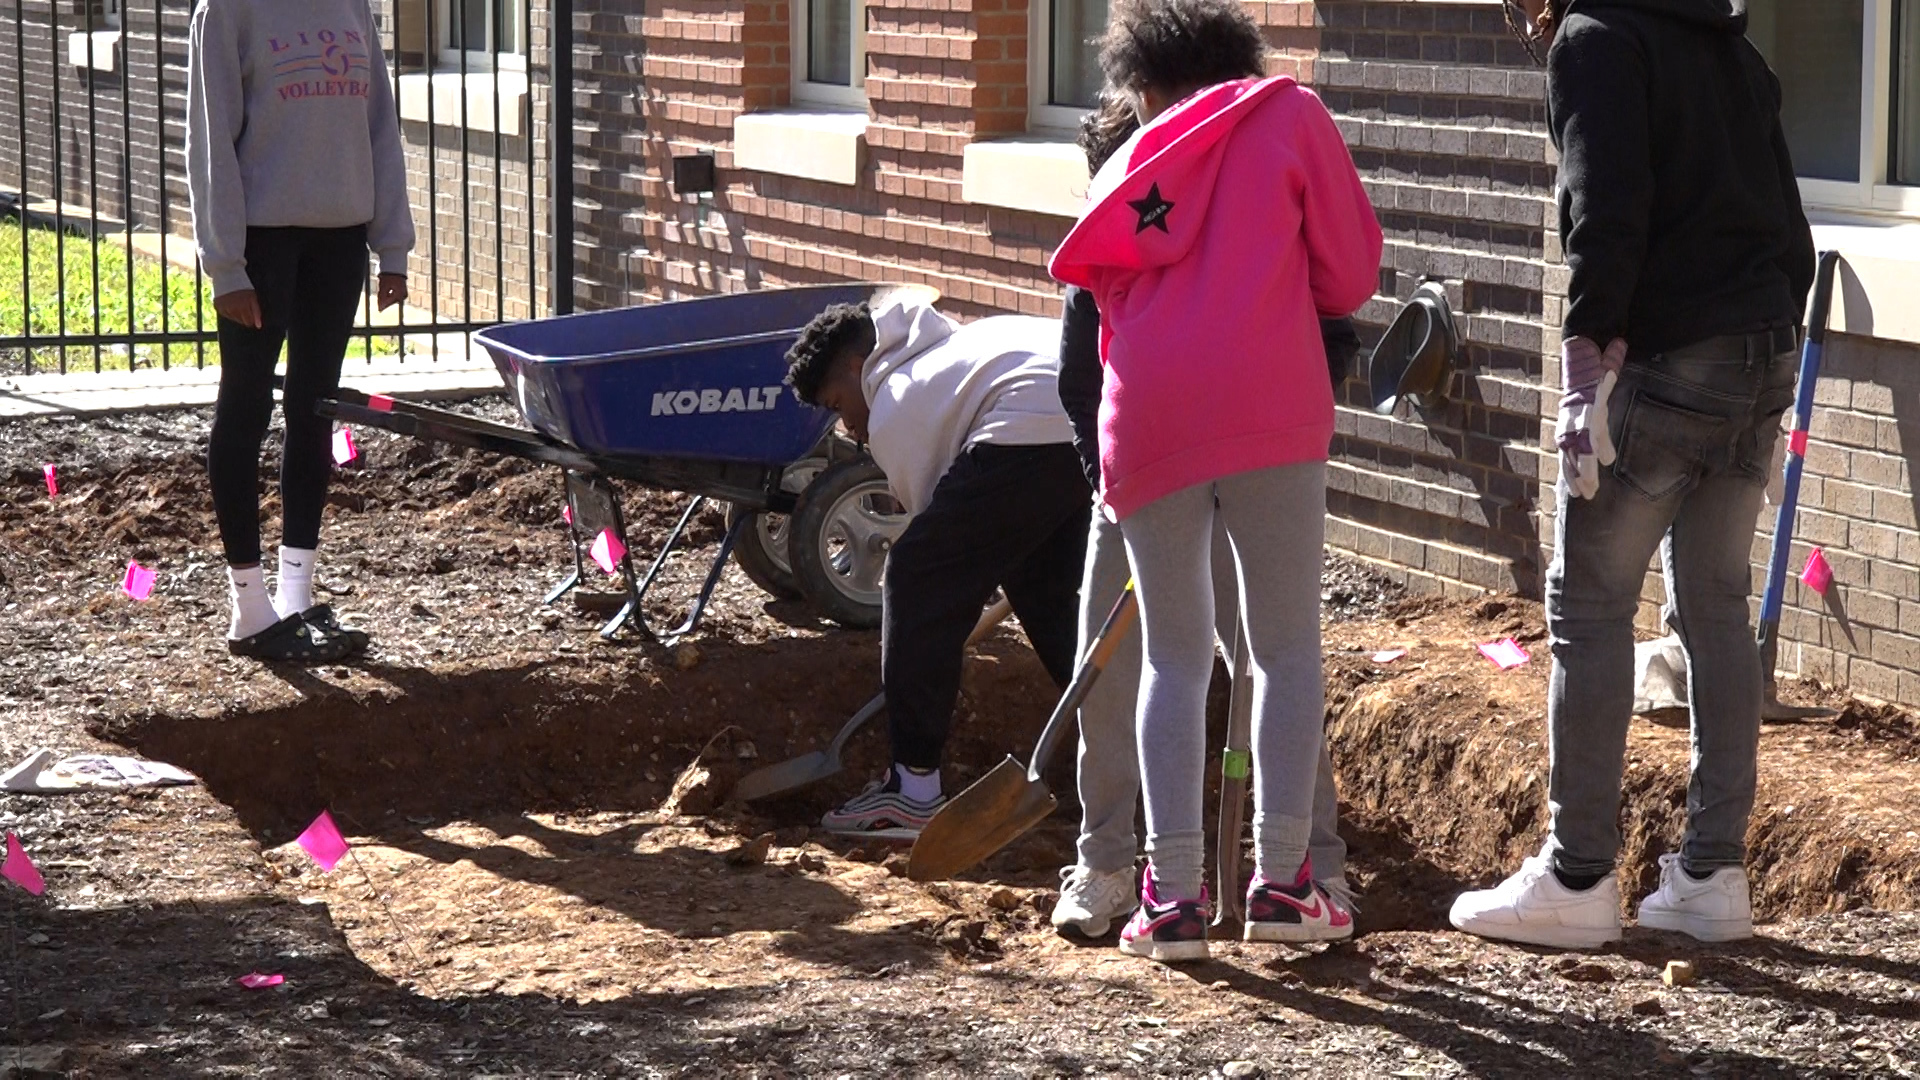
x,y
1694,429
1109,761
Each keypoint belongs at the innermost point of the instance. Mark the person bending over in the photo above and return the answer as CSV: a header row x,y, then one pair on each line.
x,y
966,422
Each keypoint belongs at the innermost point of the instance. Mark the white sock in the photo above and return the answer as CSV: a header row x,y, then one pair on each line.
x,y
296,581
252,611
918,786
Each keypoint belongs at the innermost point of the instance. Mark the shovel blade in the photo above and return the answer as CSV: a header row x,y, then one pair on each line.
x,y
1772,710
979,821
790,775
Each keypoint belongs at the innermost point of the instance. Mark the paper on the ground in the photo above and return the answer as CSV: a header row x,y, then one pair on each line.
x,y
1505,653
40,774
323,841
257,981
1388,656
19,869
1659,675
1818,573
53,485
344,450
139,581
607,551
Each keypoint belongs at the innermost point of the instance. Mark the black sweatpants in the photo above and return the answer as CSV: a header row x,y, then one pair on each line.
x,y
1007,517
309,281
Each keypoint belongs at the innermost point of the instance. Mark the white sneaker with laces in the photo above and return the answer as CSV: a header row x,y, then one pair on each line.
x,y
1533,908
1091,900
1717,909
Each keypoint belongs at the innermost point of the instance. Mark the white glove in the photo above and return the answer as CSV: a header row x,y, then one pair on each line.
x,y
1585,441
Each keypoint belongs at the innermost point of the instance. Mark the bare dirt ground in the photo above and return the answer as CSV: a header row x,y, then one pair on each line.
x,y
524,899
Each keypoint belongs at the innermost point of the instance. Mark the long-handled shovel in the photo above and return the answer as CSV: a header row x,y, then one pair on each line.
x,y
1012,798
1771,707
796,773
1236,765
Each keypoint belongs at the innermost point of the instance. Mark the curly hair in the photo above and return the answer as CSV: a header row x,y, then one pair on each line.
x,y
1106,129
835,332
1180,45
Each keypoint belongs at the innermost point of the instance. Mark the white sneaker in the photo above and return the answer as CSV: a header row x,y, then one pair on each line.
x,y
1717,909
1090,900
1533,908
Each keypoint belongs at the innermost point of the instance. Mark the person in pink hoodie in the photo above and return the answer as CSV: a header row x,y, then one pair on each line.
x,y
1213,243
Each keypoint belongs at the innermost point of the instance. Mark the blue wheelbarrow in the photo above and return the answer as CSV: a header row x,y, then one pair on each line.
x,y
684,396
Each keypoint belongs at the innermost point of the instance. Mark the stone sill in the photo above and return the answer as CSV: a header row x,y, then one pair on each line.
x,y
104,54
440,94
1043,176
824,145
1878,280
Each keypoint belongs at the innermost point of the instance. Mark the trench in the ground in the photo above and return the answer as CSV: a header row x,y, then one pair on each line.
x,y
1430,804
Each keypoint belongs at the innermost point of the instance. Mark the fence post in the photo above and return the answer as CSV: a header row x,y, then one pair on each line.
x,y
560,143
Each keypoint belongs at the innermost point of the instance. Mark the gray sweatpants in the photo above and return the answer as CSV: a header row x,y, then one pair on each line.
x,y
1109,764
1275,521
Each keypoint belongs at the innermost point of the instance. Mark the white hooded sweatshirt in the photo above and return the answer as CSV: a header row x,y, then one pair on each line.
x,y
936,388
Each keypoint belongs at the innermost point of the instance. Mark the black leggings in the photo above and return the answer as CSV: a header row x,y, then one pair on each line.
x,y
309,281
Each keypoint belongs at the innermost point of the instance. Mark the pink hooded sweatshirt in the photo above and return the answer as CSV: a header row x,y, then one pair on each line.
x,y
1212,243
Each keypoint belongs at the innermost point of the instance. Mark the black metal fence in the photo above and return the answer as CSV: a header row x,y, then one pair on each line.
x,y
96,267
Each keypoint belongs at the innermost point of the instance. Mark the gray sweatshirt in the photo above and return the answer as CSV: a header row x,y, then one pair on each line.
x,y
290,121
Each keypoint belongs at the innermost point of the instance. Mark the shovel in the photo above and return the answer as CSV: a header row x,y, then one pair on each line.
x,y
1236,765
1012,798
1771,707
796,773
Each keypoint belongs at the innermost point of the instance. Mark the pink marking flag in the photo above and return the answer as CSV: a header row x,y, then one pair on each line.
x,y
19,869
379,403
1388,656
1819,573
323,841
607,551
566,513
53,485
257,981
139,581
343,448
1505,653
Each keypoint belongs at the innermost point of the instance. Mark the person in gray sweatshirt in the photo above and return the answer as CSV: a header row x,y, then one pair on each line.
x,y
295,171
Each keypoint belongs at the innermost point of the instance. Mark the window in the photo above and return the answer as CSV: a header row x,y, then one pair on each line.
x,y
1065,77
830,53
485,33
1850,87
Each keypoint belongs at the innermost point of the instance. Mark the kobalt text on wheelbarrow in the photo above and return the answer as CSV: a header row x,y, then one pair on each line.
x,y
685,396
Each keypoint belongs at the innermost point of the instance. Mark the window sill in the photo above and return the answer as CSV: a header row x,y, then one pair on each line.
x,y
1044,176
1878,280
99,51
815,145
436,99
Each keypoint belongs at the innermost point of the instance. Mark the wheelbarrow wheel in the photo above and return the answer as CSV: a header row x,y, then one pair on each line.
x,y
761,549
845,524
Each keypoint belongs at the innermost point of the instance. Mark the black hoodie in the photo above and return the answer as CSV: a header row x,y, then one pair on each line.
x,y
1679,212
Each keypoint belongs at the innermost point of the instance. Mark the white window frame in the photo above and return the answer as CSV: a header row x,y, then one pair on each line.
x,y
1042,114
827,95
1873,193
478,60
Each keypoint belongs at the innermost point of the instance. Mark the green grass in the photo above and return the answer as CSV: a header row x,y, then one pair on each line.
x,y
38,306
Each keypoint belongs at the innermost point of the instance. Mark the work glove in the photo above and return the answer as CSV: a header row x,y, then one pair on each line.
x,y
1588,375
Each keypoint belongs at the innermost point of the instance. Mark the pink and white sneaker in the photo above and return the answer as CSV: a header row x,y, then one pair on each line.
x,y
1302,911
1169,931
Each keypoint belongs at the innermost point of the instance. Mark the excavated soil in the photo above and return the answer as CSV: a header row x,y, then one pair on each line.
x,y
531,895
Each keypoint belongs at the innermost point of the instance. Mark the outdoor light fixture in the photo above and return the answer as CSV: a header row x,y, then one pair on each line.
x,y
694,174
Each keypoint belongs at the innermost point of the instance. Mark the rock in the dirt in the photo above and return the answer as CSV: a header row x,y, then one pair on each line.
x,y
1003,899
1648,1007
1677,973
706,781
809,863
1239,1069
1588,973
33,1063
896,864
685,657
751,853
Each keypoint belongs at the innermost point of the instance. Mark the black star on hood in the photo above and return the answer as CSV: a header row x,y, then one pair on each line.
x,y
1153,210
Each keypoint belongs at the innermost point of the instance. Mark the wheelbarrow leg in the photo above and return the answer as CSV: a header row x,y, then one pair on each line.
x,y
706,589
635,594
573,540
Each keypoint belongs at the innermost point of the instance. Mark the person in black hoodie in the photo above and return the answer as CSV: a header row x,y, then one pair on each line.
x,y
1099,888
1691,260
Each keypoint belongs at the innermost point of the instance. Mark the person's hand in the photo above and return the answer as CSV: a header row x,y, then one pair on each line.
x,y
392,290
1588,376
241,306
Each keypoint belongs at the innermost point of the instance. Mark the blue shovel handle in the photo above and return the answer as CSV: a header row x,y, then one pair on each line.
x,y
1810,352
